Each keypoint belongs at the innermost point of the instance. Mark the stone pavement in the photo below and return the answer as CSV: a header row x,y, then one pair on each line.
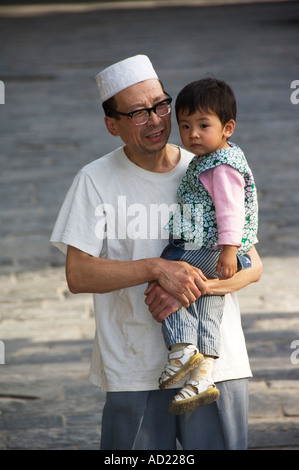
x,y
51,125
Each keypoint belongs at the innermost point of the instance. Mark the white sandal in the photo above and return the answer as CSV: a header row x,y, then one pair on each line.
x,y
179,364
192,395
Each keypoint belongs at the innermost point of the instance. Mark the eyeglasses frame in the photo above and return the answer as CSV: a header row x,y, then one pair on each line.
x,y
149,110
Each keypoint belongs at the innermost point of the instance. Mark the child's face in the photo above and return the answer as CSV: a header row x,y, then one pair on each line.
x,y
203,133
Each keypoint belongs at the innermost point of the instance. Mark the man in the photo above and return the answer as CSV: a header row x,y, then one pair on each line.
x,y
111,227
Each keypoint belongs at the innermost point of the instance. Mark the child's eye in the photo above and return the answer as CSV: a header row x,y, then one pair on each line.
x,y
203,126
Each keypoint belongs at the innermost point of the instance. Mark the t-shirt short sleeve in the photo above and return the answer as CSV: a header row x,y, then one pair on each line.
x,y
76,222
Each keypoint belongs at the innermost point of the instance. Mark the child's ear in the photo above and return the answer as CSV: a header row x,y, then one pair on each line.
x,y
112,128
229,128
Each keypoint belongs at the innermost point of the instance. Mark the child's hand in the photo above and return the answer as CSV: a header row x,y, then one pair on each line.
x,y
227,262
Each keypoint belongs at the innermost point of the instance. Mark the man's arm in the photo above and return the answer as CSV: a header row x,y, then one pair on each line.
x,y
88,274
239,280
161,303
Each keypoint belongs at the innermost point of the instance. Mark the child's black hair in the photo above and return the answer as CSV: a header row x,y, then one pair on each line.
x,y
208,95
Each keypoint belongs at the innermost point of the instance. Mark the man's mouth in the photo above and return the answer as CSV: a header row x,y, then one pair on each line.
x,y
155,136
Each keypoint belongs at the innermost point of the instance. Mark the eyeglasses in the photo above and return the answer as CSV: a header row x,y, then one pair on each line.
x,y
141,116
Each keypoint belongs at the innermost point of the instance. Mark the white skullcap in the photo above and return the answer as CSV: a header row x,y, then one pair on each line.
x,y
123,74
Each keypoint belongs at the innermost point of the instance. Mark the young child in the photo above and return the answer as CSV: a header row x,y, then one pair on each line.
x,y
214,227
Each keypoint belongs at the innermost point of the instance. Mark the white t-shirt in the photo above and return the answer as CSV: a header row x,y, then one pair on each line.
x,y
129,352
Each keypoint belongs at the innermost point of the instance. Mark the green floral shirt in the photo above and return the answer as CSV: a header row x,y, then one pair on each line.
x,y
195,217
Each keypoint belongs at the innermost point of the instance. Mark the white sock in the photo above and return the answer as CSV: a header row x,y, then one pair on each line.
x,y
203,370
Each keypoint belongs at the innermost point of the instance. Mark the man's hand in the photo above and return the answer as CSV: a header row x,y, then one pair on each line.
x,y
178,284
183,281
159,302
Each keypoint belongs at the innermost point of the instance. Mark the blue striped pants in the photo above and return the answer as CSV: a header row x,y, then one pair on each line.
x,y
200,322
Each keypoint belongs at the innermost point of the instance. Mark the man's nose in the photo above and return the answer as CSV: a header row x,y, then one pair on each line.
x,y
153,117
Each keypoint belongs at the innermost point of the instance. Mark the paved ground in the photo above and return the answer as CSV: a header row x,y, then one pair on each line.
x,y
52,124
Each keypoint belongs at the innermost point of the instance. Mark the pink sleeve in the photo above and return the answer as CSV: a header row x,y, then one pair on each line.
x,y
226,187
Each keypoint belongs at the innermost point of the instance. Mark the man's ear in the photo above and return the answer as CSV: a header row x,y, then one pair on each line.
x,y
229,128
110,124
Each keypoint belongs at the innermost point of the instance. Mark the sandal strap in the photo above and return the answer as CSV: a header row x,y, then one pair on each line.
x,y
200,385
179,363
194,387
183,353
186,392
171,369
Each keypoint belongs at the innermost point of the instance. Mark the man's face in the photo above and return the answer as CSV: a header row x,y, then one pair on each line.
x,y
147,138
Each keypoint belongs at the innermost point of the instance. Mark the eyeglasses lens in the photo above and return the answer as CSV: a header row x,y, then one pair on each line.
x,y
141,117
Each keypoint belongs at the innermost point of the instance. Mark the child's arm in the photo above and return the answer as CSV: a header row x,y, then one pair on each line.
x,y
226,187
227,262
